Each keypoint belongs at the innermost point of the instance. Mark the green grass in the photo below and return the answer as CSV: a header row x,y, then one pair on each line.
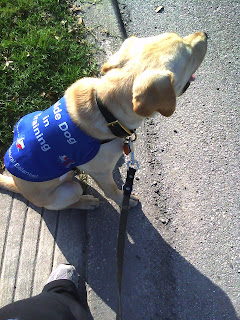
x,y
42,51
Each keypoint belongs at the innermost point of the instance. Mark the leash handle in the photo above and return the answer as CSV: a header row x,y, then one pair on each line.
x,y
127,190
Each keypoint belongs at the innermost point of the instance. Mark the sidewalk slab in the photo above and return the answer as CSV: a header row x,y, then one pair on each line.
x,y
12,248
32,242
45,252
27,253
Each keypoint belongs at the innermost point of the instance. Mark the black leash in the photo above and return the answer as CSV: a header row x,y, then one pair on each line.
x,y
122,235
127,190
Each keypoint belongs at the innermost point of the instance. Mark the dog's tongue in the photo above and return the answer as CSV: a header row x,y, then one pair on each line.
x,y
192,78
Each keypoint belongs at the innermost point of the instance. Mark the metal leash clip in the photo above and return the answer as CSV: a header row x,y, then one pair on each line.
x,y
133,163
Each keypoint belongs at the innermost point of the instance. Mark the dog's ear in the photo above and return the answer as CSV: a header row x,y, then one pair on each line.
x,y
153,91
120,58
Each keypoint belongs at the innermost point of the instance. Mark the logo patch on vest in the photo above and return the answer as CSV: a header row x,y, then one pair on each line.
x,y
20,144
66,162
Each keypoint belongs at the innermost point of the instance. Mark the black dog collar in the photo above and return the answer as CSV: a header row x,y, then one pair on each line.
x,y
116,127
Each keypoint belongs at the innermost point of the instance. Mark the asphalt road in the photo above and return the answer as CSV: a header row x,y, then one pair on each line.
x,y
182,251
185,239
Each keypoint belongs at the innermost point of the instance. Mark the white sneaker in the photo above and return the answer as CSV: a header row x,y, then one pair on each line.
x,y
64,271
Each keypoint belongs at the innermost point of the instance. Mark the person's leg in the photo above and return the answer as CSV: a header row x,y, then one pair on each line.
x,y
67,290
67,293
59,300
44,306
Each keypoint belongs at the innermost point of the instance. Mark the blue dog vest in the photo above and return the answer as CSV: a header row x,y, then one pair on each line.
x,y
47,144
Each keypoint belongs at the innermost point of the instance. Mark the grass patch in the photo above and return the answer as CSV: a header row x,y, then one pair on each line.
x,y
42,51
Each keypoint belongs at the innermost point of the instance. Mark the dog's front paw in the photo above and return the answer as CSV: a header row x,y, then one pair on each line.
x,y
133,201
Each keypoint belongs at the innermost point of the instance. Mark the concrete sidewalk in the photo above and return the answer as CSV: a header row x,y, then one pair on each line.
x,y
34,240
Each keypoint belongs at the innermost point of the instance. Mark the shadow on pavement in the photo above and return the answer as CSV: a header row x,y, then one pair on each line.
x,y
151,289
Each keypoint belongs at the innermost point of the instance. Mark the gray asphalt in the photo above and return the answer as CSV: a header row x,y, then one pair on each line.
x,y
184,261
182,256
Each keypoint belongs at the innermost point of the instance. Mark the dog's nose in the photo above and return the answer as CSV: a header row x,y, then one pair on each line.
x,y
207,37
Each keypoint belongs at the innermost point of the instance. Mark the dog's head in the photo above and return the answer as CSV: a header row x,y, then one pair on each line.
x,y
160,69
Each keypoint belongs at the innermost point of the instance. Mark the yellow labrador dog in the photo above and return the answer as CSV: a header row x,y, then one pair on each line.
x,y
141,80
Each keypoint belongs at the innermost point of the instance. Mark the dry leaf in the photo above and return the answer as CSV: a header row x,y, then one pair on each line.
x,y
7,63
52,95
76,9
80,21
160,8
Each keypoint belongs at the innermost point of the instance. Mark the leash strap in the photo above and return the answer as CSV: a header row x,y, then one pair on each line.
x,y
127,189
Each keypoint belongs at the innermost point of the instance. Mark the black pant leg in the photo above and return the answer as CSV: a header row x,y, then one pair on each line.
x,y
58,301
69,295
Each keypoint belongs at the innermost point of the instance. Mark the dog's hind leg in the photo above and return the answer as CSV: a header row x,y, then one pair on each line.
x,y
8,183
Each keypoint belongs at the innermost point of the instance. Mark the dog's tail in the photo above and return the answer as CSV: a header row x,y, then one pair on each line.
x,y
8,183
